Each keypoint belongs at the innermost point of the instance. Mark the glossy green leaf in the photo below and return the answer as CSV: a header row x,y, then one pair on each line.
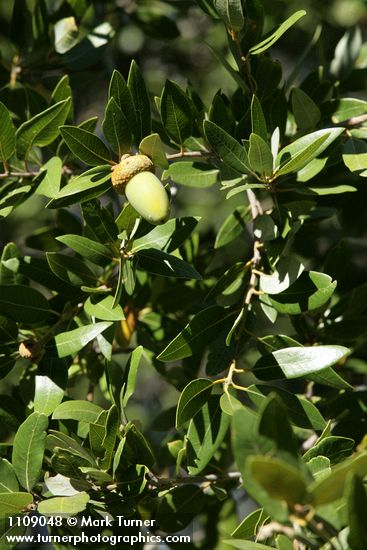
x,y
231,12
335,448
247,442
192,398
265,228
72,341
220,353
301,412
14,503
233,226
133,481
168,236
70,269
319,466
8,479
331,488
103,308
119,90
83,411
346,108
68,464
198,333
139,94
192,174
87,186
176,112
220,112
357,504
64,506
205,434
226,147
130,375
249,525
92,250
152,146
100,220
23,303
28,449
126,280
306,112
167,265
50,178
230,276
288,270
275,425
63,91
137,449
311,291
260,156
355,156
279,479
58,440
116,128
274,37
7,134
298,154
327,376
229,403
66,34
86,146
258,122
102,436
295,362
48,395
42,129
179,506
60,485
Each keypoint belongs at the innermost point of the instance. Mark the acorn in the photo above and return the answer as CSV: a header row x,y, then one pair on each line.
x,y
135,177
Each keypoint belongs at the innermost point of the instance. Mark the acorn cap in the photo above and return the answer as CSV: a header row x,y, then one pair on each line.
x,y
129,166
29,349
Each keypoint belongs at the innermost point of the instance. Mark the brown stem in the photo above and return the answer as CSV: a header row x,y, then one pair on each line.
x,y
256,210
32,173
188,154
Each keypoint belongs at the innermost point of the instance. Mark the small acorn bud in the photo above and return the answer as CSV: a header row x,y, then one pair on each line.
x,y
29,349
134,176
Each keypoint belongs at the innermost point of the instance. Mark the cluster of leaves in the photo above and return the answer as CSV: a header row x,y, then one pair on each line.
x,y
265,352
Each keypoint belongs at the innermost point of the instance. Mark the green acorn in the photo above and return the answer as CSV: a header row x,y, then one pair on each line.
x,y
134,177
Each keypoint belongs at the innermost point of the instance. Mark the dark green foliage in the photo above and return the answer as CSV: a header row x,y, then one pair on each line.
x,y
191,372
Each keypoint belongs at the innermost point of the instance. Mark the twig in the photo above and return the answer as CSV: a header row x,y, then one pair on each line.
x,y
32,173
6,175
210,478
256,210
188,154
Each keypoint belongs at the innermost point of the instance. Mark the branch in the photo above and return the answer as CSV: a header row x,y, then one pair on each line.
x,y
6,175
355,121
189,154
256,210
66,171
210,478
